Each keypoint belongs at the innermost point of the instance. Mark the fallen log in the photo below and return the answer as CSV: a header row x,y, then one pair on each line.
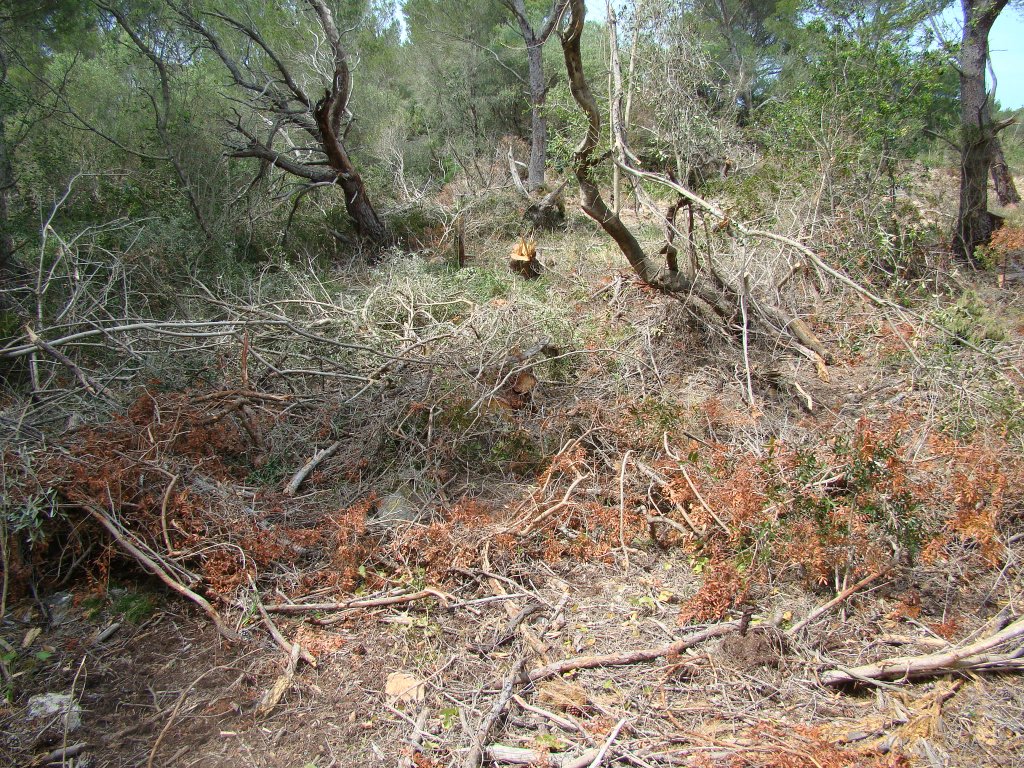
x,y
975,657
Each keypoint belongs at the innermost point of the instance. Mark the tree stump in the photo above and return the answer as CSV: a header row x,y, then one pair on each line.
x,y
523,259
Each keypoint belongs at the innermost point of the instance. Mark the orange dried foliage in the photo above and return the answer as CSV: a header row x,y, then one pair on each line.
x,y
352,545
909,606
986,482
224,571
723,588
1008,239
896,337
804,747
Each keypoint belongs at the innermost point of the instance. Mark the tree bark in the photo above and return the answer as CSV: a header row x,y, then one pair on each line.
x,y
973,222
6,185
538,86
1006,190
364,217
538,122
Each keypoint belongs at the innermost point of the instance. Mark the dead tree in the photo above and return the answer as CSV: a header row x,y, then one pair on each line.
x,y
291,115
1002,179
974,224
722,297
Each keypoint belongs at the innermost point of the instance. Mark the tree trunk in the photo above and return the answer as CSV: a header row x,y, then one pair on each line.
x,y
709,303
357,204
973,223
538,87
6,185
538,122
538,94
1006,190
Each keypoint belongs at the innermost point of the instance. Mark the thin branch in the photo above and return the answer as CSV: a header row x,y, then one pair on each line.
x,y
640,656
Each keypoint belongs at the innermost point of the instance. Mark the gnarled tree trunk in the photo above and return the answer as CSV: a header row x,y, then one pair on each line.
x,y
272,90
977,132
724,301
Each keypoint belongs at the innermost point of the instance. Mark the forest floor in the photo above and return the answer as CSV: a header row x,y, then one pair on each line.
x,y
557,521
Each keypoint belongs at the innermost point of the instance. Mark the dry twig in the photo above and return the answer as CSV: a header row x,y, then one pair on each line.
x,y
319,457
476,751
122,538
356,603
822,609
631,657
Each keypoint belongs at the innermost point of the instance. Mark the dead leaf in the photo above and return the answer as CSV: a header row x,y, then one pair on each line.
x,y
404,688
524,383
822,369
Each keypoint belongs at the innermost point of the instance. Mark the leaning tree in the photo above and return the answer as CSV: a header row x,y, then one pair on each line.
x,y
716,294
296,114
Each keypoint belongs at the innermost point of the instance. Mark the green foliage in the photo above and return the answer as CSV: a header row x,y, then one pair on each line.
x,y
135,607
24,512
969,320
855,99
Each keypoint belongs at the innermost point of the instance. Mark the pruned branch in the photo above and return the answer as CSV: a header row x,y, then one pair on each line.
x,y
640,656
975,656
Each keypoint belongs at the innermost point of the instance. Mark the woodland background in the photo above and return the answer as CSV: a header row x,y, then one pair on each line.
x,y
438,383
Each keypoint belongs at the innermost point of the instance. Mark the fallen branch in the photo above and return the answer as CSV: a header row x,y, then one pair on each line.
x,y
499,753
357,603
415,742
279,638
532,525
822,609
631,657
565,723
599,758
476,751
92,387
299,477
63,755
707,507
970,657
157,570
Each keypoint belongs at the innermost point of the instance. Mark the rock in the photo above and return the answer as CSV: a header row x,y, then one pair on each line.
x,y
59,706
58,607
394,509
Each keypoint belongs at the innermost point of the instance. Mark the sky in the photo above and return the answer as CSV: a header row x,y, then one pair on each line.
x,y
1006,47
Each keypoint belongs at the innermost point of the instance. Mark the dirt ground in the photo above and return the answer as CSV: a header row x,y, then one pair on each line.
x,y
168,691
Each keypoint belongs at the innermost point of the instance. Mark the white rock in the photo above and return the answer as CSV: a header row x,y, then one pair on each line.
x,y
49,705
